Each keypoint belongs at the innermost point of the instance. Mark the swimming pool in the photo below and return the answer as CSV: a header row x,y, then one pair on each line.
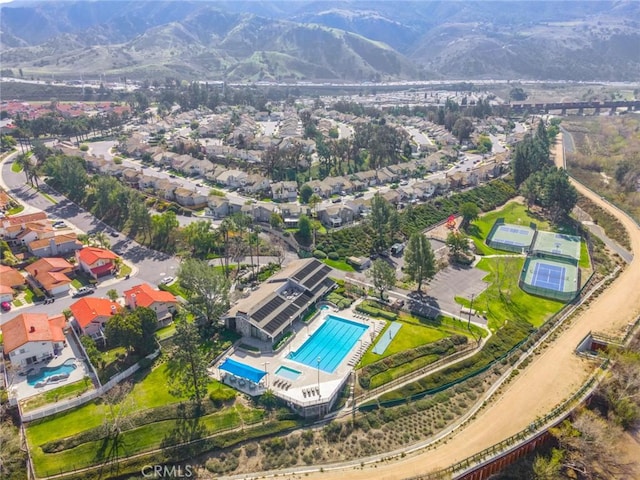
x,y
288,373
66,368
330,344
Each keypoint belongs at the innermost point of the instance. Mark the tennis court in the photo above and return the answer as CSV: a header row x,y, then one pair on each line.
x,y
510,237
557,244
551,279
548,276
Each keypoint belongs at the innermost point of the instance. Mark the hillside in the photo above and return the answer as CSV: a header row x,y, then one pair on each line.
x,y
331,40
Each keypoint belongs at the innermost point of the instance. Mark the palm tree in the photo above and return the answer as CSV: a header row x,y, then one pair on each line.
x,y
102,239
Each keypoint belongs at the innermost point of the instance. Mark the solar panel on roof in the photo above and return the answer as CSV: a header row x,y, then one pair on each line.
x,y
312,281
306,270
264,311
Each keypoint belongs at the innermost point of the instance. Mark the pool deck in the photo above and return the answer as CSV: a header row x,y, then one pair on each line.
x,y
21,389
313,384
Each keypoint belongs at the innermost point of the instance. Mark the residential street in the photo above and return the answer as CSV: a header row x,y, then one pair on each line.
x,y
149,266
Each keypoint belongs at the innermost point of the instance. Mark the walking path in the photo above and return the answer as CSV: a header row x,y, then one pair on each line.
x,y
552,376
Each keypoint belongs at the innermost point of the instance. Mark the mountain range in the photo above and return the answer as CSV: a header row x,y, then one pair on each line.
x,y
324,41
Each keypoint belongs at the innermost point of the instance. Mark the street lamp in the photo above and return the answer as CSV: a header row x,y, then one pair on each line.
x,y
470,310
266,373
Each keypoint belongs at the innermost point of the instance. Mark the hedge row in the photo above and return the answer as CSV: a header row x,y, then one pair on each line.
x,y
486,197
441,348
376,312
514,332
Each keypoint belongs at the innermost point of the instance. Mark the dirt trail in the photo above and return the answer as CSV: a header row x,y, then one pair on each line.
x,y
552,377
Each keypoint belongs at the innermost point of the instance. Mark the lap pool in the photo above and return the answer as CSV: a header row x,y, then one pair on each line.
x,y
328,345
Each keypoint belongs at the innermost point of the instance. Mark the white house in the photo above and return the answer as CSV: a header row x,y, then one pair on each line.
x,y
32,337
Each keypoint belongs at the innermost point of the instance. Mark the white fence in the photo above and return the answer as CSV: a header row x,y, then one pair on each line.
x,y
86,397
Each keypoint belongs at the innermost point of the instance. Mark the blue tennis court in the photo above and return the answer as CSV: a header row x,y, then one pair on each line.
x,y
328,345
548,276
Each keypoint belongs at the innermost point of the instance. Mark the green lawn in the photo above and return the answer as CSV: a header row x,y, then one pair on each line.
x,y
512,212
504,300
149,391
166,332
409,336
28,295
137,440
339,265
585,261
15,210
60,393
124,270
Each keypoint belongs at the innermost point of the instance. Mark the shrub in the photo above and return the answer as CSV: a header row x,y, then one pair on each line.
x,y
84,147
319,254
220,396
333,256
117,160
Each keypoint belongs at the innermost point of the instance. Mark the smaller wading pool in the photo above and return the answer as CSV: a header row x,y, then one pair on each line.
x,y
288,373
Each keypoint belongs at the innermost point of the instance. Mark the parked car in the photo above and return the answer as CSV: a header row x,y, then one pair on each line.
x,y
114,234
59,224
167,280
6,306
82,291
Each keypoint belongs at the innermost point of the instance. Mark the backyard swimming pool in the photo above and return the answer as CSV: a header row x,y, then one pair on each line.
x,y
328,345
45,373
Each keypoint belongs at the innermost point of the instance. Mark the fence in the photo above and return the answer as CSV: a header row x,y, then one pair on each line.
x,y
498,245
86,397
546,292
526,435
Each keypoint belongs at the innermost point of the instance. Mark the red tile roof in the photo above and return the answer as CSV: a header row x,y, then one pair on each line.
x,y
90,255
145,296
22,219
10,277
50,280
32,327
88,309
49,264
4,290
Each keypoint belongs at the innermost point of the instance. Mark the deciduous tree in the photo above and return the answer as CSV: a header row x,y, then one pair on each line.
x,y
383,276
188,363
420,262
207,290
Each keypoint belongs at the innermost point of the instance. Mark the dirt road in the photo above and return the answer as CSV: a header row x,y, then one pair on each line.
x,y
553,376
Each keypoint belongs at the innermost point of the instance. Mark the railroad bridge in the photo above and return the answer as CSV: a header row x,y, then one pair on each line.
x,y
580,107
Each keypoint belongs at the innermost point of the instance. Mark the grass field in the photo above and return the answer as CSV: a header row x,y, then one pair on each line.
x,y
66,391
409,336
138,440
512,212
339,265
149,391
585,261
504,300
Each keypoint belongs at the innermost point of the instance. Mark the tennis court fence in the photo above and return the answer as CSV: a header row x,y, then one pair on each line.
x,y
498,245
546,292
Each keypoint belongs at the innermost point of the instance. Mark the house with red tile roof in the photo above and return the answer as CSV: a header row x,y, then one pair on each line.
x,y
33,337
90,315
97,262
10,280
161,302
22,220
51,274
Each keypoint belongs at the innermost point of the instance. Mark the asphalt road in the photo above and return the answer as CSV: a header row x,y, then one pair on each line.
x,y
149,265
